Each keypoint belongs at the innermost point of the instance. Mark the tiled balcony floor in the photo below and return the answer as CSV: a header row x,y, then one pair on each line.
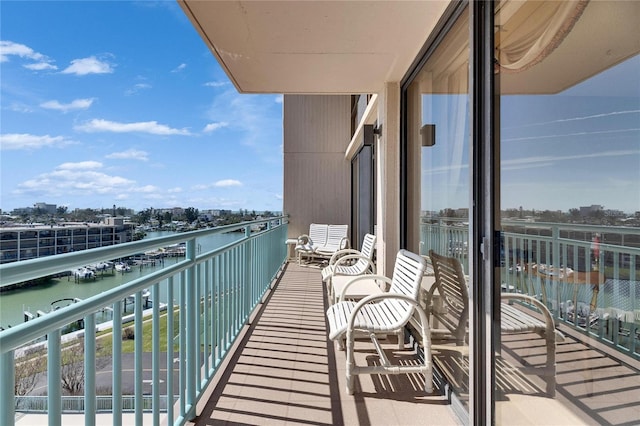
x,y
287,372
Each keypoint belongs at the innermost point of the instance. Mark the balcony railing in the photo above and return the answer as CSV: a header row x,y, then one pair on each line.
x,y
208,299
607,310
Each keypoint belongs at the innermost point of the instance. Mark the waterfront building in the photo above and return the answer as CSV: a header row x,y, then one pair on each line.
x,y
33,241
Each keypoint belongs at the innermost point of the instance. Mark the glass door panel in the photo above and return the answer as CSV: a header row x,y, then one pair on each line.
x,y
438,184
569,134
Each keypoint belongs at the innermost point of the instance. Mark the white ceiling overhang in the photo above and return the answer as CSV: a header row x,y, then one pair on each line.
x,y
345,47
307,47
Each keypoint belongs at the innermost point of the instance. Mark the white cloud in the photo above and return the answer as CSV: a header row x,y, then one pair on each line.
x,y
279,99
227,182
179,68
20,107
9,48
175,190
75,104
216,83
18,141
76,179
214,126
85,178
81,165
90,65
543,161
586,117
40,66
558,136
255,117
137,88
151,127
147,189
224,183
279,197
130,154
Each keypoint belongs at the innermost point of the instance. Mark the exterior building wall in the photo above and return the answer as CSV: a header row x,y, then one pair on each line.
x,y
317,177
388,175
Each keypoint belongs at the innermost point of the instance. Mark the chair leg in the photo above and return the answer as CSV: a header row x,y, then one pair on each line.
x,y
550,372
350,362
400,335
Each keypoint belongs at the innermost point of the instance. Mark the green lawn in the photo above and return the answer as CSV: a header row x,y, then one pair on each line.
x,y
128,345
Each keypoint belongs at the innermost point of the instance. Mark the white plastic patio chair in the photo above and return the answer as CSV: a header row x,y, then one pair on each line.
x,y
386,313
308,243
337,239
347,263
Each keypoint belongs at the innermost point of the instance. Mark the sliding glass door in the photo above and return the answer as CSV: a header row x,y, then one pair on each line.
x,y
436,173
567,75
546,144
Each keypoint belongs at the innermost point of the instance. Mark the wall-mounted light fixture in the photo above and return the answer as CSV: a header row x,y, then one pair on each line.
x,y
428,134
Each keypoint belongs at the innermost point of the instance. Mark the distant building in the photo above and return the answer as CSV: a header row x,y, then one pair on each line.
x,y
30,242
588,210
114,221
44,207
614,213
22,211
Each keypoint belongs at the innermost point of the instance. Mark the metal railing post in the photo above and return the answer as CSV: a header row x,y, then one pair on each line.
x,y
117,364
191,330
138,357
170,338
54,378
7,383
90,370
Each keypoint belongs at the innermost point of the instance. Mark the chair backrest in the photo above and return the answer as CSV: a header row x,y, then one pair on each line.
x,y
368,245
367,249
318,233
406,280
336,237
452,287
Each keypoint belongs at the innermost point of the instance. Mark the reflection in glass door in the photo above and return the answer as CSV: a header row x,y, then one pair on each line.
x,y
363,189
569,105
437,198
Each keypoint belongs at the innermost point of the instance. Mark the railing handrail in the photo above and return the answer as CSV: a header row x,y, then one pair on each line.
x,y
613,229
15,272
580,243
14,337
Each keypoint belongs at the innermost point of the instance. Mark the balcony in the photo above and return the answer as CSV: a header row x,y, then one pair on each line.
x,y
250,346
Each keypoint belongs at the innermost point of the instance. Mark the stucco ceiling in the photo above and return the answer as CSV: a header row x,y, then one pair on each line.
x,y
349,46
314,46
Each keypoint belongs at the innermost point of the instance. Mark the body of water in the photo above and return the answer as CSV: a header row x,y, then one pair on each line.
x,y
14,303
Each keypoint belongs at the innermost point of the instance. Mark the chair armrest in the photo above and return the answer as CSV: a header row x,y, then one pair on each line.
x,y
304,239
348,257
341,253
548,318
344,243
362,278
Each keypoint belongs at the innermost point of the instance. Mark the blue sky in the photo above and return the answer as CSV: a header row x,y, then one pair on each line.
x,y
579,147
114,102
576,148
